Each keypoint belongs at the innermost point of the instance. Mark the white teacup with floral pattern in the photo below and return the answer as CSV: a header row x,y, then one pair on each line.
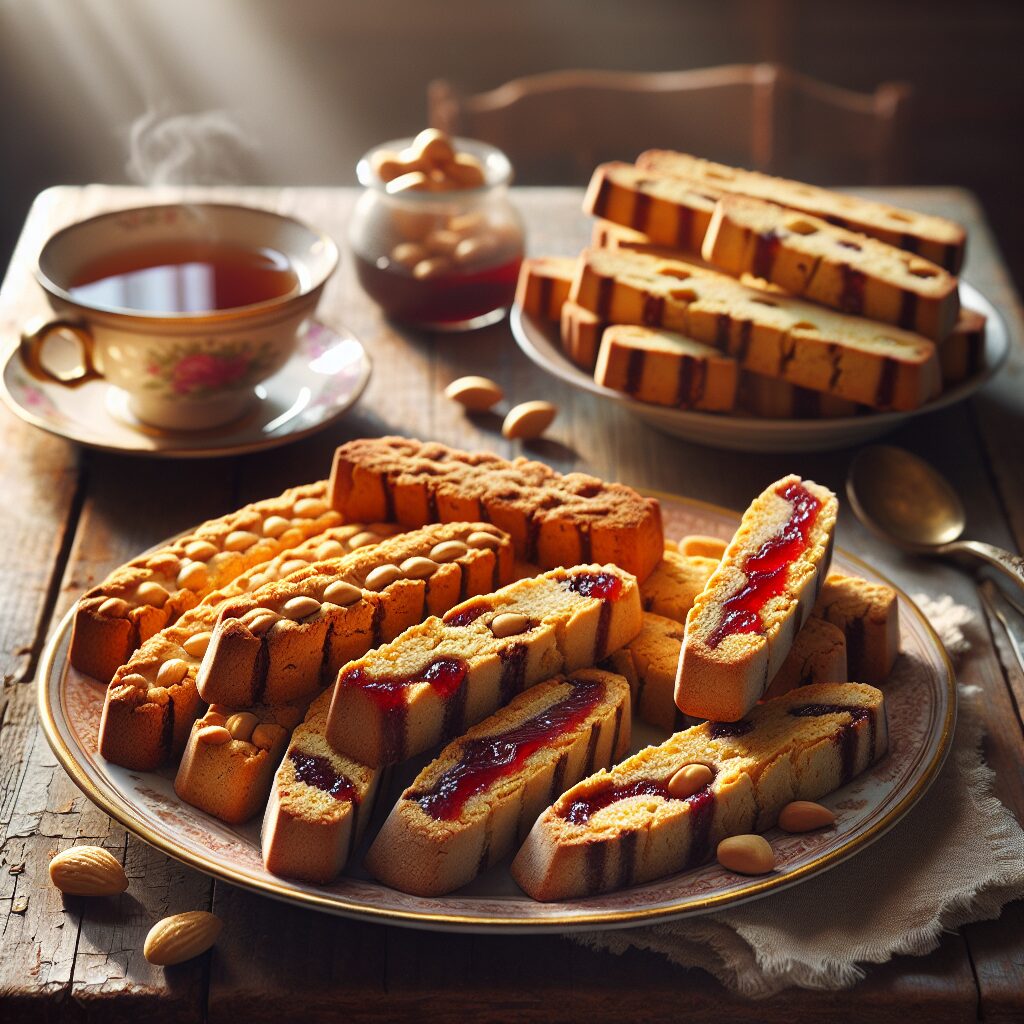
x,y
181,370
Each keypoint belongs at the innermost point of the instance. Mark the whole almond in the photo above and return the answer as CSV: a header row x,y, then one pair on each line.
x,y
477,394
509,624
448,550
152,594
418,568
181,937
342,594
172,672
690,779
193,576
196,645
300,607
362,540
241,725
309,508
746,855
114,608
805,816
273,526
330,549
382,576
88,871
528,420
239,540
482,539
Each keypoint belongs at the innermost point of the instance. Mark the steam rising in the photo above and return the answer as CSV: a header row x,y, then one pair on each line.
x,y
206,148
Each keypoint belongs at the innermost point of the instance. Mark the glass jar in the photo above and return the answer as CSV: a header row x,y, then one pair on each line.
x,y
445,260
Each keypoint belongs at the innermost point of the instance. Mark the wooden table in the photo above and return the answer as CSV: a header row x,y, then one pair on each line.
x,y
69,516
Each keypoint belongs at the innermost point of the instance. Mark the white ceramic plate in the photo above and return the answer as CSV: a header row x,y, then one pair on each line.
x,y
324,377
921,717
539,340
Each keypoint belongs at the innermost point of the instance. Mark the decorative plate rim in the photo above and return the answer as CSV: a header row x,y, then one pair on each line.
x,y
265,444
106,797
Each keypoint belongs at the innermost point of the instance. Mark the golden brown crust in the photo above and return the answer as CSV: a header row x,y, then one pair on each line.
x,y
544,285
553,519
675,583
962,354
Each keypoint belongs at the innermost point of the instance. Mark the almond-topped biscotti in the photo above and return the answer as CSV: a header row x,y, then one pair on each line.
x,y
935,238
479,798
553,519
624,827
741,627
962,354
544,283
669,213
150,592
666,368
231,757
771,334
152,700
320,803
288,639
440,677
842,269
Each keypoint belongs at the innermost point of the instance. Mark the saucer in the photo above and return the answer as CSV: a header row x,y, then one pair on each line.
x,y
325,375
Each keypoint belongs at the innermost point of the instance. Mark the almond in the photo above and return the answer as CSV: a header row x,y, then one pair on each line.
x,y
181,937
477,394
746,855
528,420
690,779
804,816
88,871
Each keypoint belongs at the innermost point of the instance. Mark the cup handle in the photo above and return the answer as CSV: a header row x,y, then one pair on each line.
x,y
31,352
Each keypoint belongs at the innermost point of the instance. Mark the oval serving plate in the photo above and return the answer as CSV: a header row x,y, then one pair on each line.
x,y
539,341
921,718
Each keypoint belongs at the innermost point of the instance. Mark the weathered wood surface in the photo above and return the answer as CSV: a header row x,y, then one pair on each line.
x,y
70,517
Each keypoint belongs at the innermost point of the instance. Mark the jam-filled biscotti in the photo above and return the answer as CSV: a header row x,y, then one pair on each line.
x,y
553,519
479,798
440,677
624,827
741,627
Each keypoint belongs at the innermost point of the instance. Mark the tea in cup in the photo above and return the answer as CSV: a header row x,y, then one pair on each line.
x,y
186,307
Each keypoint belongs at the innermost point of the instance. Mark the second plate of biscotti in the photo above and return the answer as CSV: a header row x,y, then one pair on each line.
x,y
539,340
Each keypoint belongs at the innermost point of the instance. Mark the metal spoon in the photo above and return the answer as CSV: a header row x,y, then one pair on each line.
x,y
901,498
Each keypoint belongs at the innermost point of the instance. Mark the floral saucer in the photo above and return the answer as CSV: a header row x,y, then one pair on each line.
x,y
324,377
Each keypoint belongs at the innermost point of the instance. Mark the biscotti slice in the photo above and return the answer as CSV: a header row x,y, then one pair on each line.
x,y
553,519
479,798
623,827
703,546
666,368
669,213
935,238
773,398
150,592
740,628
442,676
544,285
675,583
288,639
842,269
962,354
608,235
152,700
580,332
868,615
320,803
771,334
230,759
650,662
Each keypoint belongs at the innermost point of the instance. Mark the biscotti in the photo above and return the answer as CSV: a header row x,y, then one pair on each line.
x,y
668,212
580,333
288,639
544,285
818,655
320,803
150,592
608,235
675,583
773,398
962,354
478,799
440,677
666,368
838,268
623,827
553,519
935,238
868,615
740,628
230,759
152,700
774,335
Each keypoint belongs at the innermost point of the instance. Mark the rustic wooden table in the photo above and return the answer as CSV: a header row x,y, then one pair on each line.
x,y
69,516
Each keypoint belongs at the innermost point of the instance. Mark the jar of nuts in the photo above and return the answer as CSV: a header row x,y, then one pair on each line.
x,y
437,243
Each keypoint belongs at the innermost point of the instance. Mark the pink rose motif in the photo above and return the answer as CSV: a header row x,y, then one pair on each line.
x,y
204,371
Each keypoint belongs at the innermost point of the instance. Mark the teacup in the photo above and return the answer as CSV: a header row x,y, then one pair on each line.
x,y
131,288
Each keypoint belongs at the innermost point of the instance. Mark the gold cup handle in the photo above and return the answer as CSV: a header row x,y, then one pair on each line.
x,y
31,352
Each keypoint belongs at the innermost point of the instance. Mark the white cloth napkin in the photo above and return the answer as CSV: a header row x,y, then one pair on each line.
x,y
957,857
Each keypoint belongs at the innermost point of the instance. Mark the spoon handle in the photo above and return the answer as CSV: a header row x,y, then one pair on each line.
x,y
1005,561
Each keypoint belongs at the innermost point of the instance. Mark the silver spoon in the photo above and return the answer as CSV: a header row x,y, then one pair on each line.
x,y
901,498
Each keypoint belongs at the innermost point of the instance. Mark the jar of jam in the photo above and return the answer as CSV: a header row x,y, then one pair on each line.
x,y
437,242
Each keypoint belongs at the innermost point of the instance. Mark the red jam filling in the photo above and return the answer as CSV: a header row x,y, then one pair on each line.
x,y
581,810
467,615
318,772
445,675
845,737
486,760
602,585
767,568
719,730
